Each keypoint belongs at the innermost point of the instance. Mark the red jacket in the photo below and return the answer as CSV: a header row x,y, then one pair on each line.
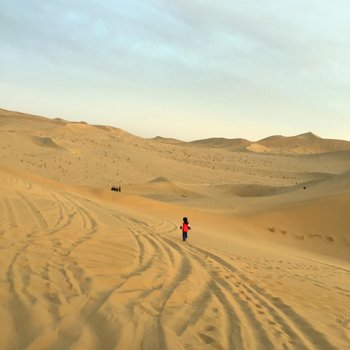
x,y
185,227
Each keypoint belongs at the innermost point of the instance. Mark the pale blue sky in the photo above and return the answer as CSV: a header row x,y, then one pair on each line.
x,y
185,69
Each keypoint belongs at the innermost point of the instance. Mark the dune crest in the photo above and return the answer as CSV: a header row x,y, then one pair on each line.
x,y
160,179
307,143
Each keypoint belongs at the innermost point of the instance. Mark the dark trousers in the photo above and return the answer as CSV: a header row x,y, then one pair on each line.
x,y
184,236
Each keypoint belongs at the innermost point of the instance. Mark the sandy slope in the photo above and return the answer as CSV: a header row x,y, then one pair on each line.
x,y
267,265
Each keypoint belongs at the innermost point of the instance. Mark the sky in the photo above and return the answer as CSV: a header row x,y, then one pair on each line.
x,y
188,69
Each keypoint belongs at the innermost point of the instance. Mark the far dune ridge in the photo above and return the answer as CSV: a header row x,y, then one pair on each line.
x,y
266,265
307,143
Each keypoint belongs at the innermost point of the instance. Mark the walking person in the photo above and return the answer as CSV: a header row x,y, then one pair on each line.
x,y
185,228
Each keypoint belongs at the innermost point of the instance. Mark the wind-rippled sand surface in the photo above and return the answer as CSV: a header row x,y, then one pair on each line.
x,y
82,267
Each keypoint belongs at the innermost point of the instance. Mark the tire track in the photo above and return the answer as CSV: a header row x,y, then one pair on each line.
x,y
12,219
19,272
285,318
135,235
262,308
291,323
160,248
21,315
169,287
143,233
233,328
91,312
200,305
61,211
89,224
246,309
21,298
214,289
238,310
42,222
65,216
169,223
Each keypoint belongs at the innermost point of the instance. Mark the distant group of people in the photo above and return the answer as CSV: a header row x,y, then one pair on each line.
x,y
117,189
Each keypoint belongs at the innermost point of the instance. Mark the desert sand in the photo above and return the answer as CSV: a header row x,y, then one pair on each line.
x,y
266,265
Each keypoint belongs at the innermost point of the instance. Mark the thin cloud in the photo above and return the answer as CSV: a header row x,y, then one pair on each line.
x,y
227,61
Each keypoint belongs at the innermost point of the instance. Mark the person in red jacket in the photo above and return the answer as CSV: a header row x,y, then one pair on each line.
x,y
185,228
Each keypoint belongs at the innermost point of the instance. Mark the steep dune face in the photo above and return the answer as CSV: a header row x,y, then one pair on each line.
x,y
46,142
266,265
316,221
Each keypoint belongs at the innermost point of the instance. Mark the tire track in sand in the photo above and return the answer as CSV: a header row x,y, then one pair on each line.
x,y
10,214
150,247
37,214
183,273
291,323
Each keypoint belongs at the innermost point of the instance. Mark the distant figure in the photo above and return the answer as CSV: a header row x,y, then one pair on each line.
x,y
116,189
185,228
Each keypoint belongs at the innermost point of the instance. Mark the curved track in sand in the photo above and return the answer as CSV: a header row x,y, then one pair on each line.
x,y
80,275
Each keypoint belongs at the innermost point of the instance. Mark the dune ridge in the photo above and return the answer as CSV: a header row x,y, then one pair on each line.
x,y
307,143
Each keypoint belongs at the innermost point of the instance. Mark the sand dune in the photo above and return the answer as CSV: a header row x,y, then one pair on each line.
x,y
303,144
232,144
162,189
46,142
267,264
307,143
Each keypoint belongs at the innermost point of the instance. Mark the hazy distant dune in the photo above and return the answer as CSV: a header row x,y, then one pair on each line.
x,y
167,140
10,120
307,143
232,144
